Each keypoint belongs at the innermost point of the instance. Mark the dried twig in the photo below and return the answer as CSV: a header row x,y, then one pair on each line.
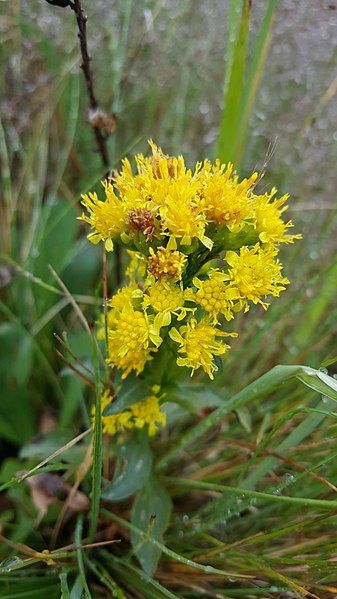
x,y
94,109
86,68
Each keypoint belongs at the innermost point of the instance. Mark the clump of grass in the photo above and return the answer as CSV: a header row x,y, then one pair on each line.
x,y
251,476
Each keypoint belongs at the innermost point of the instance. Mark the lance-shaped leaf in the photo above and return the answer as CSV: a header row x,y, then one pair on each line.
x,y
136,457
151,514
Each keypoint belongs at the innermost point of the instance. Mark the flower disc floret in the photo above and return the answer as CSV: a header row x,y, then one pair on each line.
x,y
269,224
253,274
214,295
143,414
199,344
226,200
125,296
184,220
148,413
167,297
129,341
107,219
166,263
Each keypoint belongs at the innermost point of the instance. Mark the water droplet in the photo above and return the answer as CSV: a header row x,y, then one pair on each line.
x,y
185,518
8,564
324,370
208,568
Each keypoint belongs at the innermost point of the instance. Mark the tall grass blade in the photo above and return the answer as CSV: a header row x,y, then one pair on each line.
x,y
233,90
265,384
253,80
79,554
97,451
240,92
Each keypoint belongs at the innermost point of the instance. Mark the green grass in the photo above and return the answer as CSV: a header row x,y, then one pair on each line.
x,y
252,478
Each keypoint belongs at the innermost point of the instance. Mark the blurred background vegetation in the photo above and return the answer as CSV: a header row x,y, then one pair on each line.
x,y
160,67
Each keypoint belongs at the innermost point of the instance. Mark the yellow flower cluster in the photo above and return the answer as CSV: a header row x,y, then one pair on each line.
x,y
203,247
145,413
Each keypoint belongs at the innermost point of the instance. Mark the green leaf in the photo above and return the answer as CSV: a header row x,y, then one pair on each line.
x,y
264,384
240,91
320,382
64,586
52,247
231,112
253,79
131,391
151,513
77,590
17,350
137,460
194,397
245,419
79,554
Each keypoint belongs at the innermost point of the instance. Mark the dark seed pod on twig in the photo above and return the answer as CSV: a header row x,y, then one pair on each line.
x,y
99,118
62,3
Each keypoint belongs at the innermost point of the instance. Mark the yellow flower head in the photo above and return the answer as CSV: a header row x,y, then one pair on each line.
x,y
185,220
253,274
129,341
214,295
116,422
158,177
198,344
268,216
166,297
166,167
166,263
145,413
226,200
107,219
125,296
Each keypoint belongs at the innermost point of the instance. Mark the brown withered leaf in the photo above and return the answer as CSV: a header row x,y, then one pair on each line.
x,y
46,489
48,422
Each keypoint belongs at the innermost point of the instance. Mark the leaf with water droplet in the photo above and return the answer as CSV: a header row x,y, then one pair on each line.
x,y
10,563
137,463
151,513
320,382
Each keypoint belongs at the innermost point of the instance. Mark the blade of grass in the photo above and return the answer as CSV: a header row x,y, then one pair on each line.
x,y
242,492
253,80
303,430
97,459
172,554
19,479
132,570
263,385
79,555
233,91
